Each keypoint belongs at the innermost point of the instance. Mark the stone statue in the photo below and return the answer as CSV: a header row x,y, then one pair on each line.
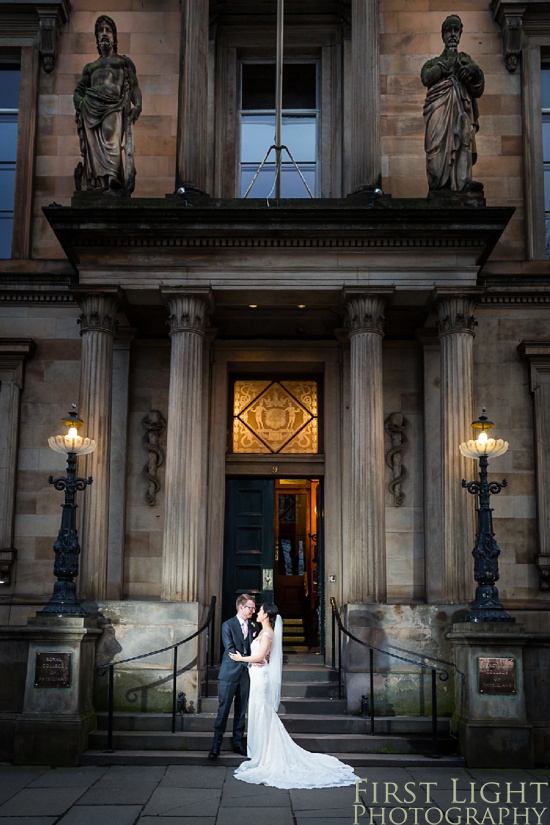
x,y
454,83
107,100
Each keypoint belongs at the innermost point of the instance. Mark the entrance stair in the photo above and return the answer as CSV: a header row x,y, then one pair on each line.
x,y
310,710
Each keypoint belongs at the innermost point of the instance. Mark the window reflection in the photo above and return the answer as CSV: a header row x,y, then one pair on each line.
x,y
299,129
9,109
545,88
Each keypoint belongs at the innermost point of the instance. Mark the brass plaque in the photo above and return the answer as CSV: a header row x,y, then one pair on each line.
x,y
497,676
52,670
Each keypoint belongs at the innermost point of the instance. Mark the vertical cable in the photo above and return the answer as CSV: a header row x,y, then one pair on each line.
x,y
279,95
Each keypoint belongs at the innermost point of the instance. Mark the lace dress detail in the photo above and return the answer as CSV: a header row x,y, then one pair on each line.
x,y
273,757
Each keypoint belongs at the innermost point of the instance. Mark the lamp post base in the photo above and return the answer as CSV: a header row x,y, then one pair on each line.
x,y
63,601
487,606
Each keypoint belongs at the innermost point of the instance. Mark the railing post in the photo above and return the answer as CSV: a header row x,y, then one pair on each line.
x,y
212,625
207,659
333,635
110,710
435,753
174,700
371,659
339,662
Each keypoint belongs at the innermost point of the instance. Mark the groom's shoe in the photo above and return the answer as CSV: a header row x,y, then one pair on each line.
x,y
214,753
240,749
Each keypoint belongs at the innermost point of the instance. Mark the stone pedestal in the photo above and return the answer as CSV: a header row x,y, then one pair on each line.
x,y
57,709
490,716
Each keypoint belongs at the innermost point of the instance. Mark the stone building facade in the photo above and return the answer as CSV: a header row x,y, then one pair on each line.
x,y
318,360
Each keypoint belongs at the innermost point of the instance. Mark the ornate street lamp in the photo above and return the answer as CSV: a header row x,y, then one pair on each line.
x,y
67,548
486,606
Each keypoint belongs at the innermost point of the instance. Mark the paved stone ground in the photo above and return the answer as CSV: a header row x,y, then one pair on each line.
x,y
210,795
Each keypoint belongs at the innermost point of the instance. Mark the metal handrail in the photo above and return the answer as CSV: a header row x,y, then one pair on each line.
x,y
435,669
100,669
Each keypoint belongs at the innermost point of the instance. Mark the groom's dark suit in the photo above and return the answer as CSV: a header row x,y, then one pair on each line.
x,y
234,682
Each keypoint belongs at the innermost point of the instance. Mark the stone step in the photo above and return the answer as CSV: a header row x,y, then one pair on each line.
x,y
314,742
290,705
294,722
324,689
230,760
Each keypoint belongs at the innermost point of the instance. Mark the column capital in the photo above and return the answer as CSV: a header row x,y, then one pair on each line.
x,y
365,310
455,312
188,310
99,310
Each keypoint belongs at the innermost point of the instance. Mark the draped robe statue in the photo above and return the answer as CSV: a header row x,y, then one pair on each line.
x,y
454,83
107,100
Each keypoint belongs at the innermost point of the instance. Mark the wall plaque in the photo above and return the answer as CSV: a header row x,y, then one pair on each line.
x,y
497,675
52,670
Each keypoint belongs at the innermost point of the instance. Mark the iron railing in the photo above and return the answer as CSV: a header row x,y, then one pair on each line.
x,y
110,666
435,670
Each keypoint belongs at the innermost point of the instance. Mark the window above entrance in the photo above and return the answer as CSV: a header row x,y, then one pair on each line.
x,y
275,417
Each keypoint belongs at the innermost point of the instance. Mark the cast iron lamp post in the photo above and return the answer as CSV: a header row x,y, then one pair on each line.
x,y
486,606
63,601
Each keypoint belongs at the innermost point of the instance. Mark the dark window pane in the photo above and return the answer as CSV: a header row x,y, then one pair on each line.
x,y
8,137
545,82
9,88
7,186
258,134
259,81
291,184
6,224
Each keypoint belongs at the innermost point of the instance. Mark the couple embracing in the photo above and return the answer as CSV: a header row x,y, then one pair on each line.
x,y
252,667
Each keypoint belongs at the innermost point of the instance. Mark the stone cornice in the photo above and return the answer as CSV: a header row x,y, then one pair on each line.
x,y
321,224
26,22
520,20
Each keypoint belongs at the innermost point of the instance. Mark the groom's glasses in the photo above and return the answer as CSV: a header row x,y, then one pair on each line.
x,y
250,607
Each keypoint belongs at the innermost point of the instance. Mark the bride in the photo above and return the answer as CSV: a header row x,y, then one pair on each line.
x,y
273,757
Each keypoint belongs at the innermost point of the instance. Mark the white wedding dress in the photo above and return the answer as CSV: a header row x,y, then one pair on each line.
x,y
273,757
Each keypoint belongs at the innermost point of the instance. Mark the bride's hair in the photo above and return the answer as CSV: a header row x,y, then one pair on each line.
x,y
271,611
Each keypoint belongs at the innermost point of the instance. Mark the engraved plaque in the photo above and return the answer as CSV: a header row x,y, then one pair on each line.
x,y
497,675
52,670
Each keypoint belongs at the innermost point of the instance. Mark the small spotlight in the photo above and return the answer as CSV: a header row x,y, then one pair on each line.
x,y
253,306
301,306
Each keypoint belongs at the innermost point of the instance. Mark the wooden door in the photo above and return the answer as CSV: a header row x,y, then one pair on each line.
x,y
249,541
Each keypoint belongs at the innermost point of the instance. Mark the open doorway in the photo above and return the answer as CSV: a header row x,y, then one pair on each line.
x,y
273,550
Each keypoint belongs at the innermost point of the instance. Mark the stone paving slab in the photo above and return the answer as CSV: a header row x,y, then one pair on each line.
x,y
101,815
173,820
179,776
323,799
126,793
68,778
28,820
49,801
273,816
187,802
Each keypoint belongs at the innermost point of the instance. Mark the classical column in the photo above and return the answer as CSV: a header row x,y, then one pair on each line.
x,y
366,447
456,324
537,353
182,528
433,515
192,145
365,102
97,328
118,467
13,354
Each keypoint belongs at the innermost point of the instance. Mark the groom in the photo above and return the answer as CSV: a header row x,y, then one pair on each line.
x,y
234,682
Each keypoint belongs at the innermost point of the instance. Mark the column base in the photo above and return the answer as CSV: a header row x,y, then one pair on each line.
x,y
51,739
493,744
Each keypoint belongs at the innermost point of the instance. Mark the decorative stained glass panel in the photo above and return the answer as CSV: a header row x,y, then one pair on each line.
x,y
275,417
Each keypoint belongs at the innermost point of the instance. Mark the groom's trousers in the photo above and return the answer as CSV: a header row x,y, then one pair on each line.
x,y
227,691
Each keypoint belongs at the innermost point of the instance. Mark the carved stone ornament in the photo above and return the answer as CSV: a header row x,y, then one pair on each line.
x,y
98,313
455,314
366,314
155,425
187,314
395,425
509,16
